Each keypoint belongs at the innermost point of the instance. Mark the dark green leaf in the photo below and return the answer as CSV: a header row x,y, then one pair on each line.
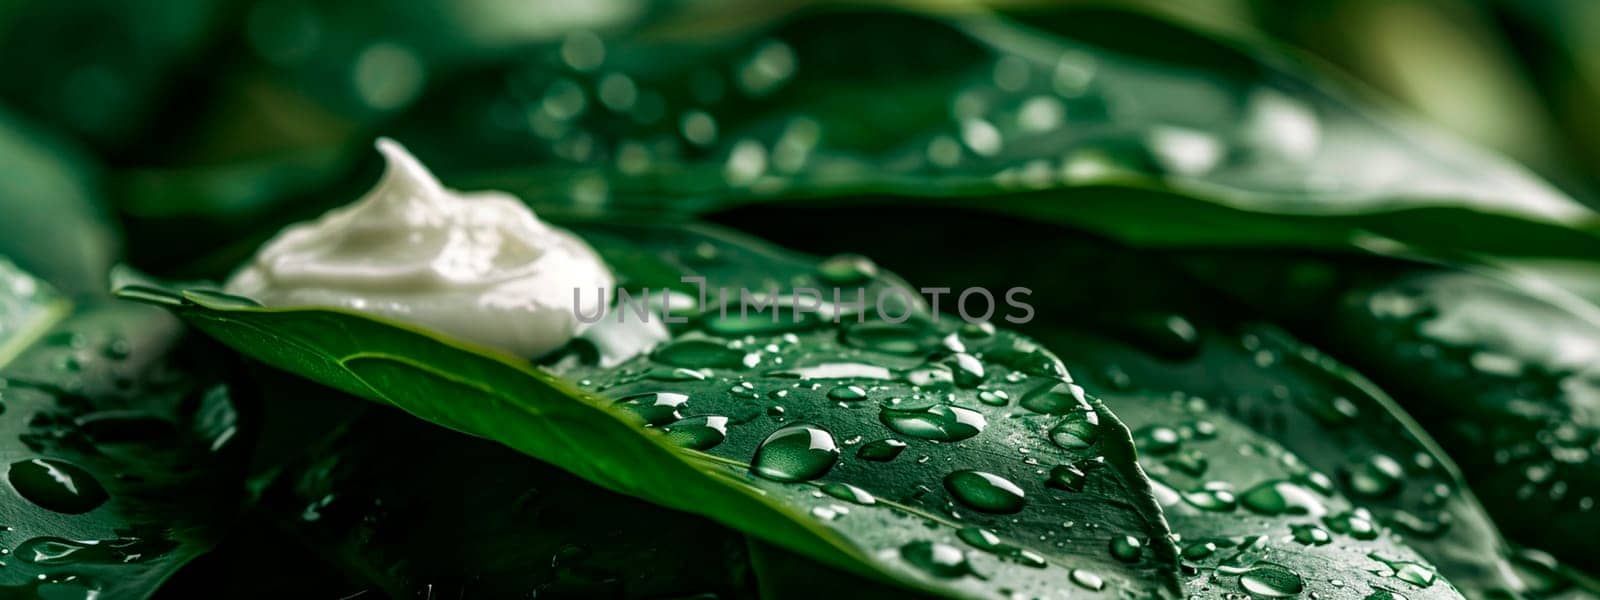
x,y
1143,329
905,525
1151,134
118,463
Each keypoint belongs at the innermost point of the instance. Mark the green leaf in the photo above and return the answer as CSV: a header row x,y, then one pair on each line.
x,y
1116,122
1144,331
958,470
118,463
1504,374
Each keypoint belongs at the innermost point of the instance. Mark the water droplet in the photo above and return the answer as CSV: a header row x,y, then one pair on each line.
x,y
797,452
1126,548
1168,336
697,433
845,491
941,422
674,374
1212,500
1072,477
985,491
847,393
1077,431
1385,595
1056,398
982,539
937,559
1376,476
994,397
966,370
1278,497
1414,573
1356,523
908,338
847,269
62,551
654,408
1310,535
699,354
1271,580
883,450
57,485
1088,580
1157,439
837,370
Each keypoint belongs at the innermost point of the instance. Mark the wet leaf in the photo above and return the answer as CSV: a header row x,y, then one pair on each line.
x,y
965,509
119,464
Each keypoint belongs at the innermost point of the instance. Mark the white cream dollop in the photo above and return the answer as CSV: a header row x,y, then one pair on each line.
x,y
479,266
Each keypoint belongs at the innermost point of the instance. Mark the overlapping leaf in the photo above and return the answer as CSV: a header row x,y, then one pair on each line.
x,y
118,462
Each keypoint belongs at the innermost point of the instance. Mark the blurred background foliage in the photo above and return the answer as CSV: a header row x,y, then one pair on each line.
x,y
269,96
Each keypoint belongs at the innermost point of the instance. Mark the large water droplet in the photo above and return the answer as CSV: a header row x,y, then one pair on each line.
x,y
937,559
845,491
61,551
836,370
699,354
966,370
1376,476
1278,497
1088,580
57,485
908,338
1411,572
654,408
1271,580
941,422
1157,439
1126,548
847,269
698,433
847,393
1058,398
985,491
1077,431
883,450
797,452
1310,535
1212,500
1356,523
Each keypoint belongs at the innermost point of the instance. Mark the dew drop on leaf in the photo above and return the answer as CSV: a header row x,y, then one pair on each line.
x,y
986,492
57,485
1310,535
1126,548
1279,497
1058,398
883,450
797,452
1077,431
1088,580
699,354
850,493
937,559
942,422
697,433
847,393
654,408
1271,580
1376,476
847,269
